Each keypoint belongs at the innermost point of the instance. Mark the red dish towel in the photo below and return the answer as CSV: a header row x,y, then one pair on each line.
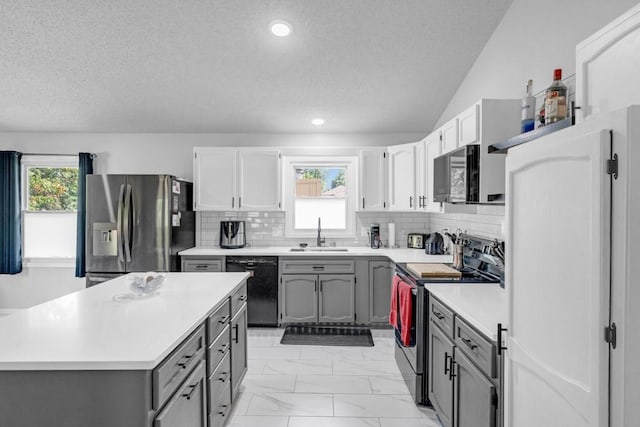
x,y
406,310
393,313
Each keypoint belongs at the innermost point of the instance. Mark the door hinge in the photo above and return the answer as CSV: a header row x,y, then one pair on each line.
x,y
612,166
610,335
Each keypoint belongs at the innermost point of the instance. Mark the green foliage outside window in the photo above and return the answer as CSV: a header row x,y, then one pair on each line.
x,y
53,189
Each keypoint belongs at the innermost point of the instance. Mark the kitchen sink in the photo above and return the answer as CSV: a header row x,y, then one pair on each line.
x,y
329,249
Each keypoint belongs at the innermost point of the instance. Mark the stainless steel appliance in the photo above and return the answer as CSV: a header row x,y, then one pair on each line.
x,y
457,176
232,234
416,240
136,223
483,265
262,287
374,236
434,244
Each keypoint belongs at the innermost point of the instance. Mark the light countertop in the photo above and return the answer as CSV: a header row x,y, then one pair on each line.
x,y
89,330
483,305
395,255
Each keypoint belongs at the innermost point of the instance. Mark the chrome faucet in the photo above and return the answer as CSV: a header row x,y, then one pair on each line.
x,y
319,240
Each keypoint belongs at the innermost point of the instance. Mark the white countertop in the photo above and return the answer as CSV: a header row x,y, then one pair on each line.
x,y
395,255
88,330
483,305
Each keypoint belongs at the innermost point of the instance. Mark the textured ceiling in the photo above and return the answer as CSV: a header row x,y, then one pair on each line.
x,y
212,66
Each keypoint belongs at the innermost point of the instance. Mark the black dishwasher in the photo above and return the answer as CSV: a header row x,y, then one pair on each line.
x,y
262,287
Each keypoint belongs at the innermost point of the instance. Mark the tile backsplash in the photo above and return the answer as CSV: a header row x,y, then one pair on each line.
x,y
268,228
487,222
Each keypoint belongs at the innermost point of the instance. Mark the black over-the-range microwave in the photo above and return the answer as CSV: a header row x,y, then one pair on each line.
x,y
457,176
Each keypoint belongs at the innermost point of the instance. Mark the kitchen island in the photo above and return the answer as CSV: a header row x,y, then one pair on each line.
x,y
99,357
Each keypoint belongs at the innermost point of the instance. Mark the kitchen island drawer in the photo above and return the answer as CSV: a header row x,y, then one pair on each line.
x,y
168,376
238,298
217,321
317,266
219,381
441,316
220,412
480,350
219,349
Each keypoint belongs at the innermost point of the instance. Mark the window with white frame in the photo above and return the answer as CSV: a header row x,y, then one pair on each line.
x,y
320,188
49,205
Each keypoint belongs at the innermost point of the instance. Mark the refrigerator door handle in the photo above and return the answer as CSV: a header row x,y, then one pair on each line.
x,y
119,224
127,224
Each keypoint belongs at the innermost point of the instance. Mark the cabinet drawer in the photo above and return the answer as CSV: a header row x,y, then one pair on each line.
x,y
219,381
220,412
318,266
188,405
203,265
441,316
238,298
168,376
218,350
217,321
480,350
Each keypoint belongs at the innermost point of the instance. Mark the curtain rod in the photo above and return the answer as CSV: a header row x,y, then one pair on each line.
x,y
93,156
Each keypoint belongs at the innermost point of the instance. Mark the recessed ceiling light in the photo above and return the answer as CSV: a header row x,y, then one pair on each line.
x,y
280,28
318,121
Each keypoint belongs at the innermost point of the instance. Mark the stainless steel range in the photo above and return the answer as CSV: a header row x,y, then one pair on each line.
x,y
483,263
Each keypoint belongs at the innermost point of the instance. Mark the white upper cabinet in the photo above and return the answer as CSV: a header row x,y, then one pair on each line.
x,y
214,176
236,179
372,179
433,149
402,178
607,67
259,184
449,135
469,126
420,177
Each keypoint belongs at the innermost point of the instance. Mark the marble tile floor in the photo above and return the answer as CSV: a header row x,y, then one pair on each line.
x,y
315,386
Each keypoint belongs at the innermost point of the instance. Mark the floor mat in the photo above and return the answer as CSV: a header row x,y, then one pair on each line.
x,y
327,335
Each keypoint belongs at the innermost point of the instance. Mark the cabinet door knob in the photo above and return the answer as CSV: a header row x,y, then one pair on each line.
x,y
446,362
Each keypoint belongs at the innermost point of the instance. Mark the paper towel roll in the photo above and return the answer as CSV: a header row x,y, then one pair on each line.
x,y
392,235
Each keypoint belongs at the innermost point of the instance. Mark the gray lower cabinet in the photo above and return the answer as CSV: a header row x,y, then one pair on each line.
x,y
464,371
187,407
440,384
238,349
314,290
380,275
475,401
299,303
323,298
336,298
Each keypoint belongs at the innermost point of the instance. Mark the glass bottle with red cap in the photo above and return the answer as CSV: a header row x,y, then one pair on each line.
x,y
555,99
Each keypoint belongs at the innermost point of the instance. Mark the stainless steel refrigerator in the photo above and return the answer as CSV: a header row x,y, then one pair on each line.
x,y
136,223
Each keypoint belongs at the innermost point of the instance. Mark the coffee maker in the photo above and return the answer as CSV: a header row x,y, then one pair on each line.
x,y
374,236
232,235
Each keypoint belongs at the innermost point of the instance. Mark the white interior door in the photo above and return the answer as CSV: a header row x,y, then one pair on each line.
x,y
557,279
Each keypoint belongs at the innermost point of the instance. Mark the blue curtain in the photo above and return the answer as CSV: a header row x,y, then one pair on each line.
x,y
85,168
10,213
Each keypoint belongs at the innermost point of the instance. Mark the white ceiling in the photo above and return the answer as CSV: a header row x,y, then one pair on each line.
x,y
370,66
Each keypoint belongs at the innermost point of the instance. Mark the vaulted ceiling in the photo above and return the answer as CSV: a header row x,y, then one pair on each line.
x,y
370,66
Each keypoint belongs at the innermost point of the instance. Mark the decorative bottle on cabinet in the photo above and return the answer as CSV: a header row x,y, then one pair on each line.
x,y
528,110
555,99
